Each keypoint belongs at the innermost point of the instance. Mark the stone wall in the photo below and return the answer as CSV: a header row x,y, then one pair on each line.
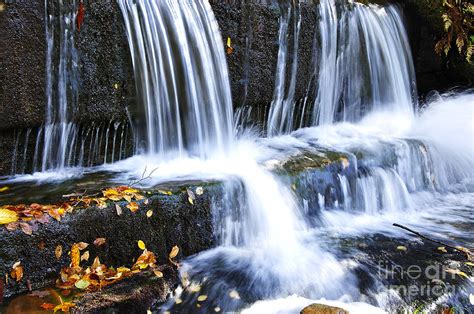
x,y
106,75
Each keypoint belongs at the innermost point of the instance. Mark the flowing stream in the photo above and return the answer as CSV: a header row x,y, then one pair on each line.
x,y
297,204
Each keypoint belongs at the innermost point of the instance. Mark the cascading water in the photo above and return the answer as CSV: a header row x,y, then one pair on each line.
x,y
291,208
60,133
370,69
181,76
280,118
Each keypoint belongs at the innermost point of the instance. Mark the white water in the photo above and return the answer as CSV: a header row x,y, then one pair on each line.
x,y
364,63
276,241
281,115
181,76
271,248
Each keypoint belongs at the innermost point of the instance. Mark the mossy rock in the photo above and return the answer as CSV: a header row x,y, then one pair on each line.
x,y
322,309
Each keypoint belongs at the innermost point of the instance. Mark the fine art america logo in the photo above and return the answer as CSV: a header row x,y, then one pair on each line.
x,y
434,278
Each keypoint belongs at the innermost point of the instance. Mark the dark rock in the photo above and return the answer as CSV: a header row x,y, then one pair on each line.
x,y
135,294
174,222
22,64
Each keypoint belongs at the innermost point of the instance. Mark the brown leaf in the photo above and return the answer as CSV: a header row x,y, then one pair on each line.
x,y
85,256
82,245
99,241
58,251
26,228
17,271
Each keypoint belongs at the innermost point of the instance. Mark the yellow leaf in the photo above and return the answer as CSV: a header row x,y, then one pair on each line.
x,y
456,272
85,256
64,307
17,271
141,245
75,255
4,188
202,298
58,251
7,216
469,264
174,252
229,43
401,248
442,249
158,273
149,213
132,206
190,200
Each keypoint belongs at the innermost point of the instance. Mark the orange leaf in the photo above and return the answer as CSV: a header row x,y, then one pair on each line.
x,y
75,255
132,206
47,306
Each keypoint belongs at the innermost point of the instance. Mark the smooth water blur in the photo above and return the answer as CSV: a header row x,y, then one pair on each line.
x,y
181,77
370,70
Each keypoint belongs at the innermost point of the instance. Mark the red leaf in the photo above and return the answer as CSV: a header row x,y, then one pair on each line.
x,y
80,15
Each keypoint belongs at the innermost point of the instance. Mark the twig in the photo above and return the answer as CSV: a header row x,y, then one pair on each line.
x,y
465,251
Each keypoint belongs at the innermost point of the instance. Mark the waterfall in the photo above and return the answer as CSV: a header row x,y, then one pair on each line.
x,y
280,118
181,76
364,63
60,133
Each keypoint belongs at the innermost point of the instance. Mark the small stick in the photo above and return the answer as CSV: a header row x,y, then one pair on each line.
x,y
464,251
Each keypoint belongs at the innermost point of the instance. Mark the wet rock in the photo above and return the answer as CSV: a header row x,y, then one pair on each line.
x,y
136,294
322,309
174,222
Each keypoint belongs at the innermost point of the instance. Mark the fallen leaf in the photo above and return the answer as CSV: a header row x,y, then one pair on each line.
x,y
174,252
17,271
80,17
194,287
401,248
47,306
75,255
469,264
82,245
202,298
82,284
146,202
141,245
4,188
457,272
178,301
234,294
132,206
165,192
229,48
190,200
58,251
149,213
442,249
85,256
199,190
99,241
64,307
7,216
118,209
26,228
158,273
